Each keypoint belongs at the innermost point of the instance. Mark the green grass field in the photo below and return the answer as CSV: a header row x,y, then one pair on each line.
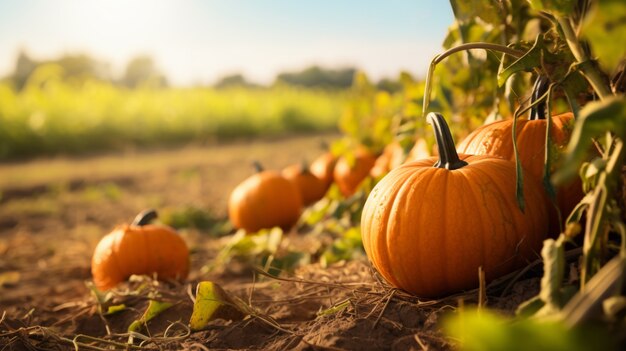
x,y
50,116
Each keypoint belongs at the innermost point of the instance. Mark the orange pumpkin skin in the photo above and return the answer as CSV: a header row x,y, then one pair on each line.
x,y
427,230
311,187
495,139
323,167
348,177
133,249
265,200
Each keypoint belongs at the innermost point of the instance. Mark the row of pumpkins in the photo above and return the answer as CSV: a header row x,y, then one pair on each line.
x,y
275,199
427,226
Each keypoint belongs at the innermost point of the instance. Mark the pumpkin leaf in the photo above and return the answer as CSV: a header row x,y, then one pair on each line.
x,y
212,302
557,7
486,10
605,28
334,309
115,309
486,331
154,309
530,60
9,278
343,248
596,118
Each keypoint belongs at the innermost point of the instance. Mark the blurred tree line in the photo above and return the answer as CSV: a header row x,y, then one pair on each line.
x,y
78,68
142,71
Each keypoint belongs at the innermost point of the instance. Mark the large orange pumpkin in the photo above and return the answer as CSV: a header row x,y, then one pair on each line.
x,y
349,172
310,186
495,139
139,248
265,200
430,224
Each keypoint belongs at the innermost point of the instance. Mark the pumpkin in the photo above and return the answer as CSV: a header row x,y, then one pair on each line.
x,y
323,167
430,224
495,139
352,169
391,157
139,248
264,200
310,186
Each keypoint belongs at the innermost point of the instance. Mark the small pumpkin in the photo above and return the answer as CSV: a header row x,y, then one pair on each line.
x,y
139,248
430,224
352,169
264,200
323,167
310,186
392,156
495,139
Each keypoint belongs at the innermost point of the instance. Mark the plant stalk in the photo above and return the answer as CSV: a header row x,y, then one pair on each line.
x,y
587,68
463,47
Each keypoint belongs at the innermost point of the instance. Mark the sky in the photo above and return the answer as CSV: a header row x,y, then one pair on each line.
x,y
199,41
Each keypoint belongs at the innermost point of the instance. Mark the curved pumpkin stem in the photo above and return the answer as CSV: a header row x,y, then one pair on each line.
x,y
448,158
538,111
145,217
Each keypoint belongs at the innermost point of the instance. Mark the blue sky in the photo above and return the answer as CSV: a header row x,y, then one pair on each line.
x,y
196,41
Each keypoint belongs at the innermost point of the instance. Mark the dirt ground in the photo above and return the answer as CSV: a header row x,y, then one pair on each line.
x,y
53,212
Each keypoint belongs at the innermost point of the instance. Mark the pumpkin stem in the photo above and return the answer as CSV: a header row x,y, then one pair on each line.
x,y
448,158
258,167
145,217
538,111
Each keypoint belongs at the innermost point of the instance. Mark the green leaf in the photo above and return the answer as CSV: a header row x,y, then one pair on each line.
x,y
556,7
486,10
154,309
115,309
530,60
596,118
212,302
605,29
334,309
486,331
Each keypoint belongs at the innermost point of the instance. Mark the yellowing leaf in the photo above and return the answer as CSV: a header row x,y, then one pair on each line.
x,y
154,309
9,278
115,309
212,302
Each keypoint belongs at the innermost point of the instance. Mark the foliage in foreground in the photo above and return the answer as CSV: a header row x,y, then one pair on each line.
x,y
581,47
